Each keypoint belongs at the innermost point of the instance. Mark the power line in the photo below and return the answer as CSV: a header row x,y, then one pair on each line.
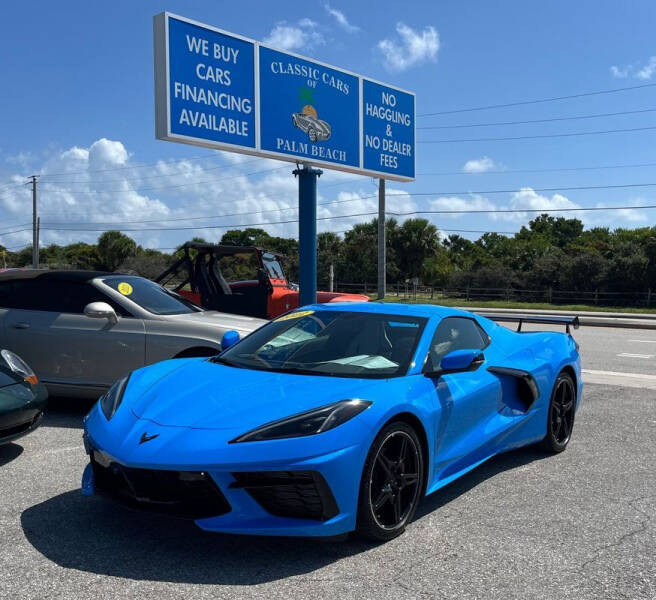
x,y
369,197
551,170
15,231
537,137
367,214
161,175
550,120
143,165
169,187
538,101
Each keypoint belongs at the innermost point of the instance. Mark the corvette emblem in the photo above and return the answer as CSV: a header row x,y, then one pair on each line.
x,y
146,438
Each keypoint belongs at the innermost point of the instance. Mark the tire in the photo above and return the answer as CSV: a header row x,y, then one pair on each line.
x,y
394,484
312,134
560,416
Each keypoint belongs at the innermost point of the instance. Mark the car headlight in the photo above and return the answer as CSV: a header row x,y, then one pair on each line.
x,y
19,366
311,422
112,398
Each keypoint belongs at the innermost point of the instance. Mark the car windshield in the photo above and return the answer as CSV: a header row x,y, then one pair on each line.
x,y
272,266
330,342
149,295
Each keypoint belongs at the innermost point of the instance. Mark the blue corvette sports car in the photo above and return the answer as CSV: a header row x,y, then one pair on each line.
x,y
333,418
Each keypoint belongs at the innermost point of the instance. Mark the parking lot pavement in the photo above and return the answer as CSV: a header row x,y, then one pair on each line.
x,y
523,525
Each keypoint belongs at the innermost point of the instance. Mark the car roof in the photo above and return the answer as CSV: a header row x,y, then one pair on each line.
x,y
225,250
392,308
56,275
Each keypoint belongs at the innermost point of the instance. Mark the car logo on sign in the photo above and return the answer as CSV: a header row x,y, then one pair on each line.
x,y
146,438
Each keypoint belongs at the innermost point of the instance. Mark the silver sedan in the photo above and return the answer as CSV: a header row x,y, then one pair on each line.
x,y
82,330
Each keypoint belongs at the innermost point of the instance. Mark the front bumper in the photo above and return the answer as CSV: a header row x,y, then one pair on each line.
x,y
21,410
256,488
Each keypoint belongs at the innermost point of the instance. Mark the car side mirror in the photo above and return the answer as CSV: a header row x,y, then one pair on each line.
x,y
100,310
459,361
229,339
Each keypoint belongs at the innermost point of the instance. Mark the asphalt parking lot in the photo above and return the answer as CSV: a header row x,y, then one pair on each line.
x,y
523,525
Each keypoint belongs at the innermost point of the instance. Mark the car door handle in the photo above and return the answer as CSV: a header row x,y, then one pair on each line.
x,y
20,325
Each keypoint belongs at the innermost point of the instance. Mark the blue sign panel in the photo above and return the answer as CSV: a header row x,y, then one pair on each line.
x,y
223,91
211,85
308,110
388,129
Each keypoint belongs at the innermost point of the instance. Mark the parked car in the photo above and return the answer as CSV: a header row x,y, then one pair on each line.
x,y
199,276
332,418
22,397
81,330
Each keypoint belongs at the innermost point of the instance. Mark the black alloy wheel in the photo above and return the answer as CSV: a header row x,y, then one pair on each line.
x,y
392,482
560,420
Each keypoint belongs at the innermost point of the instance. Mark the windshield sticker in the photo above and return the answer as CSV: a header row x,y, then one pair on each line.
x,y
295,315
125,288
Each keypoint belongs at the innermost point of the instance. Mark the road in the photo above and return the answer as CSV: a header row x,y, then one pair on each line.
x,y
523,525
609,349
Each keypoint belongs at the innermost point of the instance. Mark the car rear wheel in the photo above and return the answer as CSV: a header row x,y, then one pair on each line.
x,y
392,482
560,418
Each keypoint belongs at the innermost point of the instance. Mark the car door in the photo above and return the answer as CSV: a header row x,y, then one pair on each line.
x,y
468,401
47,327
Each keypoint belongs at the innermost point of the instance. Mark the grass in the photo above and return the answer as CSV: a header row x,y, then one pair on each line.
x,y
527,305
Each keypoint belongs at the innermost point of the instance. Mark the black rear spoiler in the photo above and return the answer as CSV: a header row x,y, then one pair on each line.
x,y
543,319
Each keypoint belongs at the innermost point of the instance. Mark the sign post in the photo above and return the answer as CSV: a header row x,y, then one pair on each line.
x,y
382,246
223,91
307,233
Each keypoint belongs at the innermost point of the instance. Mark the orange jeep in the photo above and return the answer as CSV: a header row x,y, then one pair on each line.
x,y
245,280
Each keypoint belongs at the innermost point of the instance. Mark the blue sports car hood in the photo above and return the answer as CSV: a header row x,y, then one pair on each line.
x,y
205,395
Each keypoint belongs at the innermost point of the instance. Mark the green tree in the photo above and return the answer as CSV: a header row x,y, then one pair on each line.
x,y
114,248
415,241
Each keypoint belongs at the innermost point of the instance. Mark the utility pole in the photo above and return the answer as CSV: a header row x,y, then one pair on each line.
x,y
382,279
35,226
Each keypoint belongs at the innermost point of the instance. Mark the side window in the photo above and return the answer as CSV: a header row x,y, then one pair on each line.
x,y
455,333
52,295
16,293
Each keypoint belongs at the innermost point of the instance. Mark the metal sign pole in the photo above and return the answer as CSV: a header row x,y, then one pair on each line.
x,y
381,240
307,233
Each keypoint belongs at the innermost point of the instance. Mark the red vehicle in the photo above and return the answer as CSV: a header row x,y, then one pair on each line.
x,y
244,280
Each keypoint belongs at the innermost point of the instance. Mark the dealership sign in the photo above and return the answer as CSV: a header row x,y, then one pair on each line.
x,y
223,91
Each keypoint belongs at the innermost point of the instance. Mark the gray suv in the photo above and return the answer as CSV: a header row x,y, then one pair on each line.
x,y
82,330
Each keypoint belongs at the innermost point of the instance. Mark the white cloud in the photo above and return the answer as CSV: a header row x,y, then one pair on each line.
x,y
410,48
479,165
528,198
647,70
644,72
341,19
100,186
22,159
630,215
293,37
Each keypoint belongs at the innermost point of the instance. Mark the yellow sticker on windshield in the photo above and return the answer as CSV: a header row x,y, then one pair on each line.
x,y
295,315
125,288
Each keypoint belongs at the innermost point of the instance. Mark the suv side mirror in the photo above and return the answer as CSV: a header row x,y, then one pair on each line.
x,y
100,310
229,339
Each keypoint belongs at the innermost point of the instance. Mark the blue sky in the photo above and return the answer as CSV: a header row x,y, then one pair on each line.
x,y
77,107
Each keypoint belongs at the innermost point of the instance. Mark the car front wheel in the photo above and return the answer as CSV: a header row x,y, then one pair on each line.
x,y
392,482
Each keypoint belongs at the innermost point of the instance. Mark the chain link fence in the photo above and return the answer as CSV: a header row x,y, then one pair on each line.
x,y
408,291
